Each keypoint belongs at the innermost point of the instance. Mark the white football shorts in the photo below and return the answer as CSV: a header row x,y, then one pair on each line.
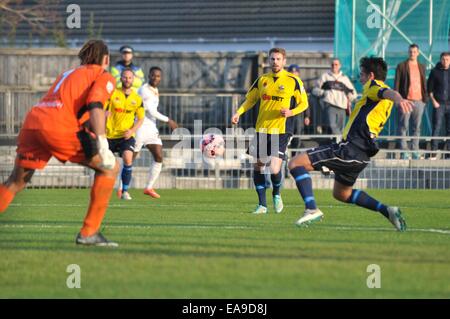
x,y
144,138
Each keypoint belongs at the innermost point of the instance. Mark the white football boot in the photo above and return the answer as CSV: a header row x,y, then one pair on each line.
x,y
310,216
396,218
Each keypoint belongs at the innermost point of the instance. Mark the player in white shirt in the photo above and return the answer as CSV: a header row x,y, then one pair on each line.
x,y
148,135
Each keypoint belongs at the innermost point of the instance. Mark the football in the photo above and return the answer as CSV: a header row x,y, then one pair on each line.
x,y
212,145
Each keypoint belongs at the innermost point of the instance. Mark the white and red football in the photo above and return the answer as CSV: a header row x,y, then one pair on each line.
x,y
212,145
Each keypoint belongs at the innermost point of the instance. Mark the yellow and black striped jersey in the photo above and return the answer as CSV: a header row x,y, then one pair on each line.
x,y
369,116
123,111
275,92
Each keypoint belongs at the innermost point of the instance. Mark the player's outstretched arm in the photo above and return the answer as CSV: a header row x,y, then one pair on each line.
x,y
405,105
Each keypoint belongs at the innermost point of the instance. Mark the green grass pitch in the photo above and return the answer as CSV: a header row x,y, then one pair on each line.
x,y
206,244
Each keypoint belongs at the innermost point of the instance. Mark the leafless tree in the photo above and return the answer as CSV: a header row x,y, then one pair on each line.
x,y
39,15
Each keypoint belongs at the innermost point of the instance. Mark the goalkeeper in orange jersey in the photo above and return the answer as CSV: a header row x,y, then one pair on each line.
x,y
69,124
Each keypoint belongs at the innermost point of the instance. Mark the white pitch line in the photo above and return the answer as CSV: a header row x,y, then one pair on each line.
x,y
344,228
423,230
184,205
127,226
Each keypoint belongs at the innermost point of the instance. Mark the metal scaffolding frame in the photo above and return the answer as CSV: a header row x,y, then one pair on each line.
x,y
389,16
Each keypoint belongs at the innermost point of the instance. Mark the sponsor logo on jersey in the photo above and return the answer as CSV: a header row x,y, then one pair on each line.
x,y
109,87
266,97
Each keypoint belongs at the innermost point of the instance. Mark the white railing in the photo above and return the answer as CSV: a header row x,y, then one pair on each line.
x,y
182,169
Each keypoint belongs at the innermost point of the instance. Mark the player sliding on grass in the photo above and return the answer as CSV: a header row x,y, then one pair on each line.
x,y
349,157
69,124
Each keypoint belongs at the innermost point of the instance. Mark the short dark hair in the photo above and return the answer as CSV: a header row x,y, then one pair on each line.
x,y
154,68
376,65
445,53
413,45
278,50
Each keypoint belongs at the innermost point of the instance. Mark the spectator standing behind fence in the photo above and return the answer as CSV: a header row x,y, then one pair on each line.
x,y
438,86
303,119
410,83
123,108
127,62
337,93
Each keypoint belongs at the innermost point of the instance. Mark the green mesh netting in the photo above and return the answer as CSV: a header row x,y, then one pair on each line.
x,y
386,28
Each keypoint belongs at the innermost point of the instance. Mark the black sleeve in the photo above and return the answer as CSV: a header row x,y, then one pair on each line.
x,y
85,108
94,105
430,82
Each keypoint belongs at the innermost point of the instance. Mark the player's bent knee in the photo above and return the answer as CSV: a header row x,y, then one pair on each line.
x,y
275,171
297,161
340,196
291,164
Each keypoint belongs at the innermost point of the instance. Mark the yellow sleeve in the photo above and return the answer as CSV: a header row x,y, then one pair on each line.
x,y
301,99
375,92
251,98
140,112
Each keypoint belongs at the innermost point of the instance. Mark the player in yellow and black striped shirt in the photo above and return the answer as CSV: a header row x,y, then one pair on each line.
x,y
281,96
348,158
126,115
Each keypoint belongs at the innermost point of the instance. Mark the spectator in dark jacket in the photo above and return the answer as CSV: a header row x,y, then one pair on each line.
x,y
438,86
410,83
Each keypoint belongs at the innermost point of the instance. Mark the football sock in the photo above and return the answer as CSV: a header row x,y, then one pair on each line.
x,y
260,185
304,185
155,169
362,199
126,177
276,183
6,197
100,194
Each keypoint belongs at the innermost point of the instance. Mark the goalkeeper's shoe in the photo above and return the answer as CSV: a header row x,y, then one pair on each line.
x,y
119,193
396,218
310,216
95,240
126,196
260,209
278,203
